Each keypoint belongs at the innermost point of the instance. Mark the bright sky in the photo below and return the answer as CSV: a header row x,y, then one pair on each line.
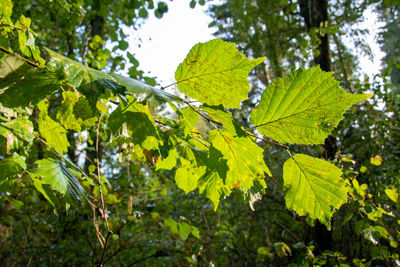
x,y
372,24
167,41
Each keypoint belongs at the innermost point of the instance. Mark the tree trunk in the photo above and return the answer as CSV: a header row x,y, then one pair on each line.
x,y
315,14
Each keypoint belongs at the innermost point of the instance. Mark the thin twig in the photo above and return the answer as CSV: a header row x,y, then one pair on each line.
x,y
201,114
11,26
169,85
288,231
159,122
5,50
268,141
104,250
86,45
98,233
200,141
149,191
98,172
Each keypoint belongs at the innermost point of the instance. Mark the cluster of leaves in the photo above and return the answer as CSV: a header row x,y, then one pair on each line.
x,y
302,108
44,102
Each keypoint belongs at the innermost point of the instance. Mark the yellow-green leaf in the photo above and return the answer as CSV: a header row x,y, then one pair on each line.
x,y
302,108
187,176
313,187
244,158
59,178
377,160
169,162
54,133
392,194
216,73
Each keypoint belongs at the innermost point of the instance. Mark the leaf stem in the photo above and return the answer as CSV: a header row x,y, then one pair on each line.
x,y
268,141
11,26
169,85
198,140
104,250
98,174
202,115
20,57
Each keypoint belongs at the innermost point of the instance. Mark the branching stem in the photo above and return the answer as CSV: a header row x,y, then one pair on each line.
x,y
20,57
98,174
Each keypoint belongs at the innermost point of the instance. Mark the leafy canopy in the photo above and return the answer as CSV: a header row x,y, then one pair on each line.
x,y
65,95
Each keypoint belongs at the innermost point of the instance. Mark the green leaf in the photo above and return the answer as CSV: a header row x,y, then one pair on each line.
x,y
45,191
66,114
136,122
142,90
172,225
90,82
314,187
377,160
169,162
23,84
54,133
215,73
187,176
55,174
381,230
212,186
5,14
219,114
303,108
9,169
392,194
244,158
184,230
143,13
195,232
123,45
282,249
188,119
16,132
212,183
6,10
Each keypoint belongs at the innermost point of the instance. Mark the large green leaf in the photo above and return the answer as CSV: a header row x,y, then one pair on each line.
x,y
10,168
314,187
75,112
169,162
212,183
92,82
215,73
212,186
5,14
187,176
244,158
303,108
55,174
188,119
55,134
142,90
66,115
134,121
22,84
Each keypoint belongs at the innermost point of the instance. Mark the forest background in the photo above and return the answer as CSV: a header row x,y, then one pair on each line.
x,y
139,216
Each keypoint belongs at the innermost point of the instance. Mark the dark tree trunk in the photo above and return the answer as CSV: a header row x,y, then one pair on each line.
x,y
315,14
